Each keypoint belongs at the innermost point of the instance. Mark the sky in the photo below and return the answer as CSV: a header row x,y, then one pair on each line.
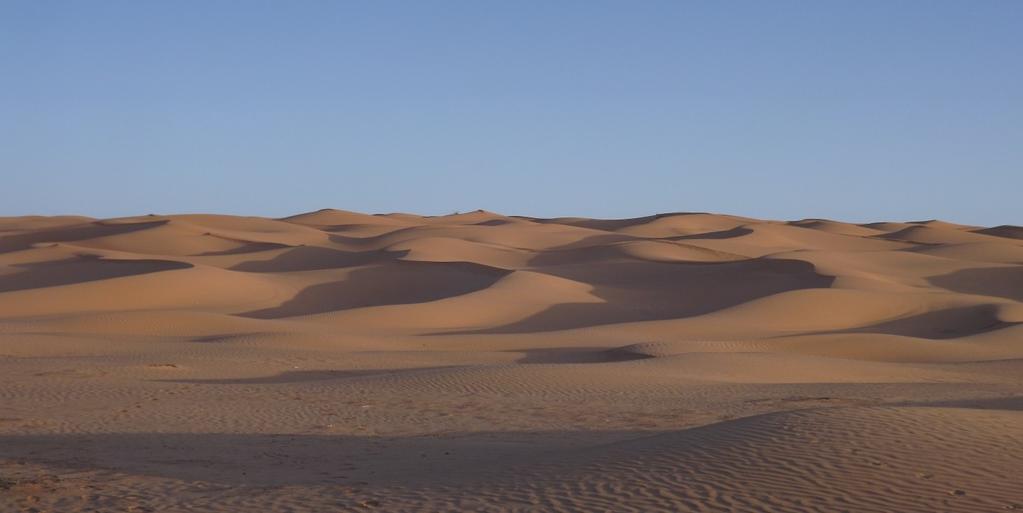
x,y
851,110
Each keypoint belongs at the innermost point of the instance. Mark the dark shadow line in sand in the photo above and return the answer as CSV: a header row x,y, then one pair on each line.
x,y
309,258
646,291
733,233
306,376
315,459
245,247
609,225
1003,282
950,323
573,355
392,283
81,269
91,230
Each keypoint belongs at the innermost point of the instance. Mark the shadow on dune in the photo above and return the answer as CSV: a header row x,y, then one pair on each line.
x,y
940,324
369,241
555,355
460,459
392,283
308,258
285,459
733,233
1004,282
80,269
1007,231
73,233
592,242
245,247
645,291
610,224
1014,403
497,222
595,249
309,376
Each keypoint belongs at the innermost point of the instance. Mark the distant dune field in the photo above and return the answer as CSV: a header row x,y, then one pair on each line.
x,y
338,361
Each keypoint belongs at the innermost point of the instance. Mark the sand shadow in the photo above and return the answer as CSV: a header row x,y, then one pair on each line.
x,y
308,258
272,460
556,355
940,324
1003,282
81,269
610,224
645,291
733,233
392,283
73,233
245,247
1007,231
308,376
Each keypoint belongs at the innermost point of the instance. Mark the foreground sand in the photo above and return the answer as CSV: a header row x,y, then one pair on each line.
x,y
336,361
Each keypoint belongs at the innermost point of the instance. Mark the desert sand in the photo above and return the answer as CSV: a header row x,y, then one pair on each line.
x,y
338,361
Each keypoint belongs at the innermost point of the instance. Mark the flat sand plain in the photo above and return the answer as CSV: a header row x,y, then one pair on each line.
x,y
337,361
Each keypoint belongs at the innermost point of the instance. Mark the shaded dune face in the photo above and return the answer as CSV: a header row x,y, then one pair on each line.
x,y
75,232
77,269
307,258
386,284
1004,282
642,291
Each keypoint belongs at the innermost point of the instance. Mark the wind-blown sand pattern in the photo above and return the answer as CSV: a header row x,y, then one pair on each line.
x,y
337,361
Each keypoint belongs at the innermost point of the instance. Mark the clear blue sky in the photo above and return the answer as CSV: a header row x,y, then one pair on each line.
x,y
855,110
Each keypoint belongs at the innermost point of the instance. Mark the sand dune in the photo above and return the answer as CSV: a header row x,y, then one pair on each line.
x,y
1005,230
977,252
340,361
936,234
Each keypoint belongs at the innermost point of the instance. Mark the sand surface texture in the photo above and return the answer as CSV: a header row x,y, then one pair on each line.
x,y
337,361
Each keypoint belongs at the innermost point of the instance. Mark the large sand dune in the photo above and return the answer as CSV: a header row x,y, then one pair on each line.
x,y
339,361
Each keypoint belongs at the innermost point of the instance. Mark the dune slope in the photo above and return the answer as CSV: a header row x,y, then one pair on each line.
x,y
340,361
